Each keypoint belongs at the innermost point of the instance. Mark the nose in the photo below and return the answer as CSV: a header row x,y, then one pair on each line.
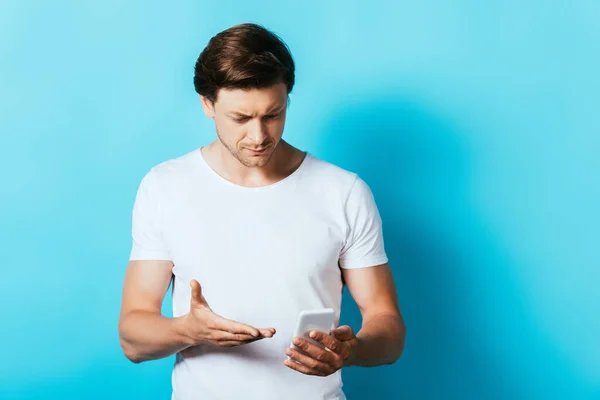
x,y
257,132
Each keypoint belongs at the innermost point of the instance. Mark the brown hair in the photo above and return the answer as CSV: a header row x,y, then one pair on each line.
x,y
245,56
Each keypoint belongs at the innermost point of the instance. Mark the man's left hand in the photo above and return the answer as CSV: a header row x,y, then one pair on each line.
x,y
340,347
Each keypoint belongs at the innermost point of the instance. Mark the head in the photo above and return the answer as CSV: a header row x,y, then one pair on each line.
x,y
244,77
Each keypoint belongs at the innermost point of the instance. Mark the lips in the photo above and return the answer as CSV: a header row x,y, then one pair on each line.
x,y
258,151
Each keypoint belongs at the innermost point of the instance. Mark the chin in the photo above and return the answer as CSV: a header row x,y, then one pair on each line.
x,y
257,161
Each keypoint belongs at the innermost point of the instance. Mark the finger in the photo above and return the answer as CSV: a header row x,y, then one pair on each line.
x,y
343,333
315,352
310,362
327,340
270,332
223,336
303,368
198,300
234,343
227,325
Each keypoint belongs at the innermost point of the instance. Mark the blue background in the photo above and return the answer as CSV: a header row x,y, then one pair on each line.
x,y
477,126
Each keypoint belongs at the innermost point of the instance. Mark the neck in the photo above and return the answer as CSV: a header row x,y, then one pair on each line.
x,y
285,160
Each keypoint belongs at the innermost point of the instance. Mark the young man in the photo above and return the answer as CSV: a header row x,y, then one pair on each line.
x,y
252,231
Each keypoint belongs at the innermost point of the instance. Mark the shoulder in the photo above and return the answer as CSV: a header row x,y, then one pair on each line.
x,y
172,171
342,184
182,165
331,175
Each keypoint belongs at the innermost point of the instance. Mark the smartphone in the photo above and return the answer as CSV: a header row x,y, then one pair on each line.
x,y
314,320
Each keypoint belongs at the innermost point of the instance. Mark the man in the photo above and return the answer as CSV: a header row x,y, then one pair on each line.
x,y
252,231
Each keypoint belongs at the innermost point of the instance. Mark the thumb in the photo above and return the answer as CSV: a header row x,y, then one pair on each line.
x,y
343,333
198,300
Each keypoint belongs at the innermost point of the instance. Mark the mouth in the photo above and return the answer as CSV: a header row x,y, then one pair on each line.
x,y
256,151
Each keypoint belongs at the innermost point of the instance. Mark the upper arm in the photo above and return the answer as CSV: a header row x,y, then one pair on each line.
x,y
363,259
145,285
150,268
373,289
364,244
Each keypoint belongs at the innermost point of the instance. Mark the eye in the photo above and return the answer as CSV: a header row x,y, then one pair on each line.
x,y
271,116
241,120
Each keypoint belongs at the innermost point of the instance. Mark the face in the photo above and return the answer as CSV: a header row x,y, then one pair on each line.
x,y
249,122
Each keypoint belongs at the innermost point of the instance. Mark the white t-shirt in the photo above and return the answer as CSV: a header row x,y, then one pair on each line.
x,y
262,255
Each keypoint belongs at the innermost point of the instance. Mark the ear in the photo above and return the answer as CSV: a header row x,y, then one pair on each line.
x,y
208,107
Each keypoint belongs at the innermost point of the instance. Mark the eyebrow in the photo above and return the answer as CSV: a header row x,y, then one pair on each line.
x,y
277,109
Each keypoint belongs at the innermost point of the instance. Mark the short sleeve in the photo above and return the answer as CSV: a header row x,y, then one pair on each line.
x,y
364,246
146,227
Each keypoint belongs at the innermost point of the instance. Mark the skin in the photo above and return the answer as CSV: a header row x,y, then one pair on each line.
x,y
247,120
380,339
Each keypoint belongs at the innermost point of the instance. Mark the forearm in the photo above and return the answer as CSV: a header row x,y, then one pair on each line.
x,y
147,335
380,341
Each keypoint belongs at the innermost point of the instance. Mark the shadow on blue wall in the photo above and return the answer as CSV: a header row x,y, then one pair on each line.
x,y
461,302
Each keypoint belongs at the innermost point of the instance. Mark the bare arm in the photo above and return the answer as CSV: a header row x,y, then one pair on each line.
x,y
381,337
145,334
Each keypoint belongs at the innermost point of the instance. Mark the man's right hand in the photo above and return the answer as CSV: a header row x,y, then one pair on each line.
x,y
203,326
